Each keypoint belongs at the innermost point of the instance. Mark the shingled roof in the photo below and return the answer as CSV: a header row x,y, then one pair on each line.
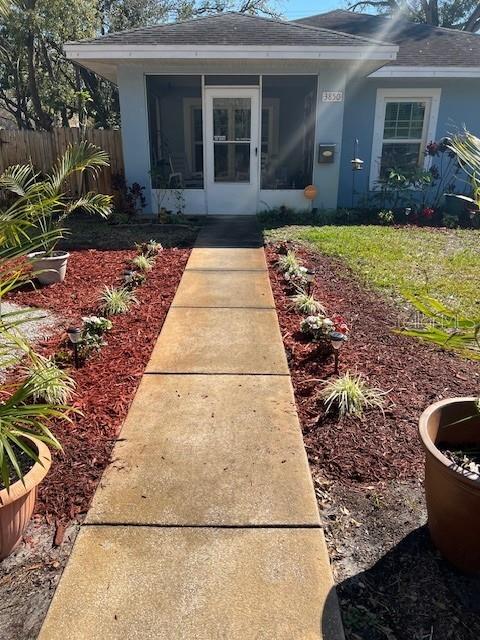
x,y
419,44
235,29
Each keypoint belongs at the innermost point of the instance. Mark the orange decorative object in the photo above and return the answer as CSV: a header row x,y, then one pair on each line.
x,y
310,192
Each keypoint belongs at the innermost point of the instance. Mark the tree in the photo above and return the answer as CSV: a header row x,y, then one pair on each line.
x,y
41,89
454,14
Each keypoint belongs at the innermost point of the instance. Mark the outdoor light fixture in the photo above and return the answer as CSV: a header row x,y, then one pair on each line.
x,y
310,278
357,165
337,339
74,335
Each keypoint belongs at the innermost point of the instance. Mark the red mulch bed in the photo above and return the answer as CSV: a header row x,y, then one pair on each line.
x,y
374,448
107,382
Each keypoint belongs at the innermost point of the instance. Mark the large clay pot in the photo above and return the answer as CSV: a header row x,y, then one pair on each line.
x,y
49,269
452,495
16,505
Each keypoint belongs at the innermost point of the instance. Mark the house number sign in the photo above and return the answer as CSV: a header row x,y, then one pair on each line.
x,y
332,96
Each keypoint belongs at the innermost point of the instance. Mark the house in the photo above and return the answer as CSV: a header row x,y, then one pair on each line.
x,y
235,113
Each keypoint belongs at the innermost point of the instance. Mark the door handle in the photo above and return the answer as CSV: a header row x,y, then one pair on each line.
x,y
256,151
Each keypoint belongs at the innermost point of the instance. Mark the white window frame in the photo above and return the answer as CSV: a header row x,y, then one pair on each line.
x,y
430,96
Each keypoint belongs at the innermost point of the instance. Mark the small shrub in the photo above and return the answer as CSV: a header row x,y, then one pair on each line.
x,y
150,248
132,279
288,263
93,330
306,304
115,301
386,216
48,382
143,263
96,324
319,327
450,220
350,395
128,199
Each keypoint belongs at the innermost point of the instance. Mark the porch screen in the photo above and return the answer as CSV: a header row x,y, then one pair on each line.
x,y
175,131
287,131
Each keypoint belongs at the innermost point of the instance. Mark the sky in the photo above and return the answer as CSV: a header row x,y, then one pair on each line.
x,y
294,9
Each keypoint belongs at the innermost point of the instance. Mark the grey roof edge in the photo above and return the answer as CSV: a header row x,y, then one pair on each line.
x,y
100,40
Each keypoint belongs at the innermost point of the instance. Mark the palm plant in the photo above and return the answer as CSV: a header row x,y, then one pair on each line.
x,y
444,327
41,201
466,147
22,231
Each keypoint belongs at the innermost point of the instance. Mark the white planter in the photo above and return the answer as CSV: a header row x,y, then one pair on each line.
x,y
49,269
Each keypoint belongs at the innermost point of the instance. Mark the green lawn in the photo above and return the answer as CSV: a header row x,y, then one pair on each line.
x,y
444,263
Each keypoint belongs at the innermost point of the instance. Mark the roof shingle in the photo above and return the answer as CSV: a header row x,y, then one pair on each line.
x,y
419,44
236,29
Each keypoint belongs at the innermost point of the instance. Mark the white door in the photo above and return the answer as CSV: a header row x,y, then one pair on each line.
x,y
232,149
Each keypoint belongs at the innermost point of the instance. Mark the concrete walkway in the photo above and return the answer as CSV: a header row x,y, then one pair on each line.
x,y
205,525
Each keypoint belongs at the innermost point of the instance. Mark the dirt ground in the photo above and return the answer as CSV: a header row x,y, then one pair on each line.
x,y
392,583
28,579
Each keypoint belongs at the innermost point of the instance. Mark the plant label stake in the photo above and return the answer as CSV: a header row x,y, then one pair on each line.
x,y
74,335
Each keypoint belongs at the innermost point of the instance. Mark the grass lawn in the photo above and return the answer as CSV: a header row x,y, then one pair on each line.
x,y
90,232
444,263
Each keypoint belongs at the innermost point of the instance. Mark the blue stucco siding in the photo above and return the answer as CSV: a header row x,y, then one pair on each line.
x,y
459,106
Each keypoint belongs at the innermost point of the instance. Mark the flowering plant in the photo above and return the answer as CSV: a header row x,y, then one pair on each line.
x,y
320,327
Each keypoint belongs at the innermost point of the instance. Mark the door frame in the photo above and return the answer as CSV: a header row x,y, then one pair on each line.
x,y
232,197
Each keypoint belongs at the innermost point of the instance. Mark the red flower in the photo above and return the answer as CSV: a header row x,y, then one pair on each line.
x,y
340,325
428,213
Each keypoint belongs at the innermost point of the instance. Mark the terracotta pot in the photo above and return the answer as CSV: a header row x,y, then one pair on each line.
x,y
16,505
452,495
49,269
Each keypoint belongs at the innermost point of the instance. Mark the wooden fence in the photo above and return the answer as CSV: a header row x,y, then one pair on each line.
x,y
42,148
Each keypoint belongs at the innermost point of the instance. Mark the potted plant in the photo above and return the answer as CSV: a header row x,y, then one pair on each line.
x,y
43,201
25,457
450,434
27,407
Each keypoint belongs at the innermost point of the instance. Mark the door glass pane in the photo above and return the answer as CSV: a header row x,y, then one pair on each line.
x,y
232,162
231,119
231,139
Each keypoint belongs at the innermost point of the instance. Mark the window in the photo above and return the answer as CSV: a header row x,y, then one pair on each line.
x,y
405,121
176,131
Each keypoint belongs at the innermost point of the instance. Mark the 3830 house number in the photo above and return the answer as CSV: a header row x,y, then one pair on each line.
x,y
332,96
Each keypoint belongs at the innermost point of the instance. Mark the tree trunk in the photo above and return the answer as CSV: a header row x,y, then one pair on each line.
x,y
42,118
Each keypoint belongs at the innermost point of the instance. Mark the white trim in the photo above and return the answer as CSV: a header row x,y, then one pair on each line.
x,y
232,197
89,51
426,72
432,96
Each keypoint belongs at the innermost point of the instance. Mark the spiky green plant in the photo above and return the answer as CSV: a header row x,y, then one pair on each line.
x,y
444,327
288,263
350,394
466,147
306,304
143,263
42,200
49,383
116,300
